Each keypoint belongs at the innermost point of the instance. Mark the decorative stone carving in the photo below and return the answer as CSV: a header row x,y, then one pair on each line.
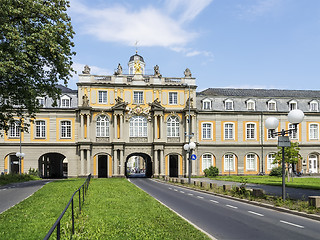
x,y
119,100
138,111
191,103
187,73
173,139
138,139
119,70
85,101
102,139
86,69
157,71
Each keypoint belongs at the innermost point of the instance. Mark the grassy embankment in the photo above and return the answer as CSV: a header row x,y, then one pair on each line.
x,y
113,209
14,178
298,182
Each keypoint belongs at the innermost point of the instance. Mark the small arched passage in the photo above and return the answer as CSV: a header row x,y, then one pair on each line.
x,y
138,165
53,165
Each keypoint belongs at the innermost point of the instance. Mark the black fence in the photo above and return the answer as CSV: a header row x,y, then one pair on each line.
x,y
56,225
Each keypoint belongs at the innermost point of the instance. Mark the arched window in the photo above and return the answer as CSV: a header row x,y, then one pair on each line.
x,y
229,162
270,160
102,126
138,126
251,163
173,127
207,161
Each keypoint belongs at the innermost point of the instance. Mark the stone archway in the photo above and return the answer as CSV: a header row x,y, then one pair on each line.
x,y
53,165
138,165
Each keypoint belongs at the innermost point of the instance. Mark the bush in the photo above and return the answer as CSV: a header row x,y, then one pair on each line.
x,y
211,172
277,171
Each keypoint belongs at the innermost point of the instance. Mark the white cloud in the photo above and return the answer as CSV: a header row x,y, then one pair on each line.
x,y
149,25
188,9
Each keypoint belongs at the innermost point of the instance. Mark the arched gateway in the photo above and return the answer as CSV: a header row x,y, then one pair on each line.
x,y
138,165
53,165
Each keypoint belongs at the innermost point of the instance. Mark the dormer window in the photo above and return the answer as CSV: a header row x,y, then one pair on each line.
x,y
206,104
41,101
251,105
272,105
293,105
228,104
65,102
313,106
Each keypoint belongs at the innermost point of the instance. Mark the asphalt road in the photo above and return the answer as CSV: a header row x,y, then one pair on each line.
x,y
14,193
228,219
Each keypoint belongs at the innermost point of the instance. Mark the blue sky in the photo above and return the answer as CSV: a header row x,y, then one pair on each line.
x,y
225,43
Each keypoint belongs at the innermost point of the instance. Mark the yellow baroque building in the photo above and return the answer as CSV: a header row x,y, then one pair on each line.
x,y
113,122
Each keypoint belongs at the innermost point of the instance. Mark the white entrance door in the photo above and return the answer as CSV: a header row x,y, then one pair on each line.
x,y
313,164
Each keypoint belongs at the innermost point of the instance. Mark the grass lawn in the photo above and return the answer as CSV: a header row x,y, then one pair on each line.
x,y
13,178
298,182
33,217
116,209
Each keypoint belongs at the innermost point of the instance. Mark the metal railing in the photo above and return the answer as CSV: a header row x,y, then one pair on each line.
x,y
56,225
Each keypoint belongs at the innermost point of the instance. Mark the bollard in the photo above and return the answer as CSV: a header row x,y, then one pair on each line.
x,y
314,201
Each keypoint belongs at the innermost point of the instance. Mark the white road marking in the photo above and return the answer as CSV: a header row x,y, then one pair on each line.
x,y
258,214
199,197
182,191
170,188
214,201
231,206
190,194
175,190
292,224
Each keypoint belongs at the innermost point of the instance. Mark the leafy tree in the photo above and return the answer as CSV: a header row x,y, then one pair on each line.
x,y
35,53
291,154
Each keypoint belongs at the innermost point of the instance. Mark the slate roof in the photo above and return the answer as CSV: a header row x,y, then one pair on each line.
x,y
271,93
66,89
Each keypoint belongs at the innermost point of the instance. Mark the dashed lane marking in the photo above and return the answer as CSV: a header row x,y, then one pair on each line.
x,y
200,197
292,224
190,194
214,201
258,214
230,206
182,191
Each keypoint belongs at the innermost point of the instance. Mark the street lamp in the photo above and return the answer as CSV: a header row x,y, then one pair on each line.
x,y
20,154
295,117
189,148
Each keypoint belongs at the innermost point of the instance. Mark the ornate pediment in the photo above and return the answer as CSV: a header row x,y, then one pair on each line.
x,y
156,105
120,104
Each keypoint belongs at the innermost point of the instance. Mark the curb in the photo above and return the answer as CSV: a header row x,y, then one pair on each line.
x,y
260,204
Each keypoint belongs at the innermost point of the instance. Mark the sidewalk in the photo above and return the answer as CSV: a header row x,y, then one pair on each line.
x,y
293,193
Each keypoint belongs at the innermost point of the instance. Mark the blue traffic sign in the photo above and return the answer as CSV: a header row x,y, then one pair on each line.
x,y
193,157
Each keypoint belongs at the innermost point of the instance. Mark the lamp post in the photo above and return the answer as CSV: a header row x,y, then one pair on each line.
x,y
295,117
20,154
190,145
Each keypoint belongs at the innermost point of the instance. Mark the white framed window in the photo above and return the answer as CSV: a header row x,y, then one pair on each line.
x,y
103,126
229,162
173,98
270,160
138,97
103,97
229,131
65,129
251,162
41,101
206,130
293,134
251,105
272,105
173,127
14,130
228,105
270,135
314,106
65,101
207,161
293,105
40,129
206,104
314,131
251,131
138,126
